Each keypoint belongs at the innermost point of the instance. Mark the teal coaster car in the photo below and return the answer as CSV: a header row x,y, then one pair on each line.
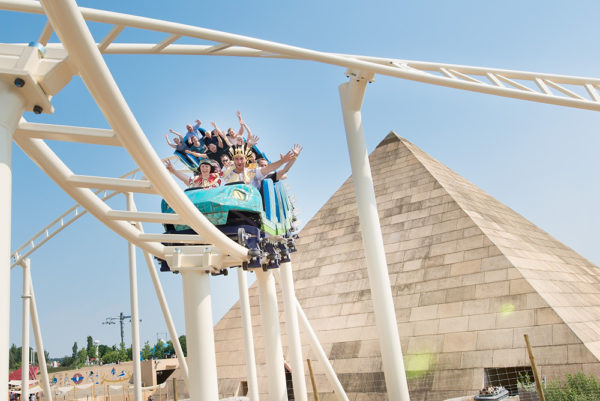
x,y
260,220
234,204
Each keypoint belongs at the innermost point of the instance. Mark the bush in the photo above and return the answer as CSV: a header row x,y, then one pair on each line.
x,y
578,387
524,383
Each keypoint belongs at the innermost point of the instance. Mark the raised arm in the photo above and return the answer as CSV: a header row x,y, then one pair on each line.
x,y
221,135
176,173
245,126
241,130
252,140
282,174
176,133
275,165
198,128
169,142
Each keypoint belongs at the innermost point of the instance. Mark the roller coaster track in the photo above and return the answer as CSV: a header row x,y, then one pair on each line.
x,y
70,216
40,70
563,90
84,53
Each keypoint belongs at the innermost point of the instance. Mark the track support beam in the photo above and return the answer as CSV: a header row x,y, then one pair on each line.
x,y
351,95
25,362
200,336
248,336
39,345
135,319
267,295
12,105
293,332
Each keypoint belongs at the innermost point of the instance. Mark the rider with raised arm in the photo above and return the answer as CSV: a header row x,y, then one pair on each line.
x,y
255,152
239,173
236,138
197,149
281,174
215,151
204,178
181,149
191,131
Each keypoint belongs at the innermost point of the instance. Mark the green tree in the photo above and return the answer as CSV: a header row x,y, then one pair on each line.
x,y
74,355
93,353
81,357
169,350
67,361
14,357
159,350
123,355
183,344
110,356
102,349
147,351
91,348
115,354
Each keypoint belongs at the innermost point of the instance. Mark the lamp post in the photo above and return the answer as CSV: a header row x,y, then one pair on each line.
x,y
121,318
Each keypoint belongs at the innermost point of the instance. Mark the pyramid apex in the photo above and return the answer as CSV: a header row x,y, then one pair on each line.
x,y
390,138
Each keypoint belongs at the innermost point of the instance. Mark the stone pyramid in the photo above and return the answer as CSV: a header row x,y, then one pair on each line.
x,y
469,277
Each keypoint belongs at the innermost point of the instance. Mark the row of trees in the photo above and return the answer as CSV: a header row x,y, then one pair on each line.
x,y
14,356
93,353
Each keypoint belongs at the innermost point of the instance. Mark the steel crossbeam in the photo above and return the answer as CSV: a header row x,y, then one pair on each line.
x,y
578,92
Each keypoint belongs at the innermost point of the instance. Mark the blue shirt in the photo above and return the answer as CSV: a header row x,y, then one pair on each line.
x,y
197,131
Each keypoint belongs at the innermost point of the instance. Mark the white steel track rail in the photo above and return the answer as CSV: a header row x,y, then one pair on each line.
x,y
581,92
38,151
74,213
93,136
84,57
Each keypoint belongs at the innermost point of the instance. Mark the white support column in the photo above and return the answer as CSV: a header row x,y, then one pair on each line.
x,y
293,332
164,307
12,106
135,316
351,95
202,366
162,300
25,333
321,355
272,335
248,337
39,345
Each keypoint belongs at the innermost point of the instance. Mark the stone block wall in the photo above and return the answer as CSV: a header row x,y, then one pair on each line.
x,y
461,282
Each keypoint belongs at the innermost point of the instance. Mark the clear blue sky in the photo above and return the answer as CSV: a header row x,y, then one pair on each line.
x,y
540,160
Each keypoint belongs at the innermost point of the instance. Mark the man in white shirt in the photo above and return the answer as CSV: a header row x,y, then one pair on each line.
x,y
239,173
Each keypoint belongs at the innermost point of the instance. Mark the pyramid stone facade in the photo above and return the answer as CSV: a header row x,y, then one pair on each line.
x,y
469,277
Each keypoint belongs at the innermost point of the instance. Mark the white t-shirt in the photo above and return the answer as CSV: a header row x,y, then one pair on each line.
x,y
252,177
